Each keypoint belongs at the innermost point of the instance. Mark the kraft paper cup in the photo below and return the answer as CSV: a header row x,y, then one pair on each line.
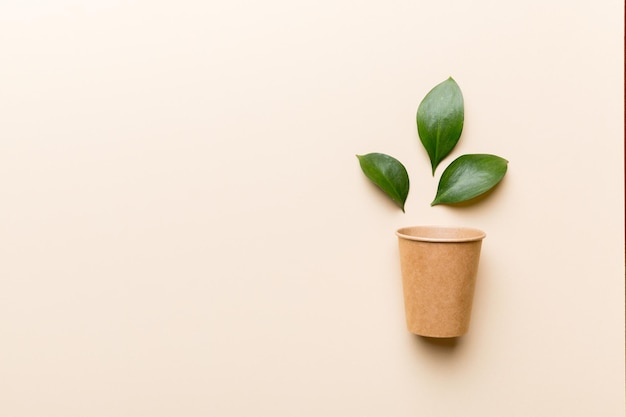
x,y
439,266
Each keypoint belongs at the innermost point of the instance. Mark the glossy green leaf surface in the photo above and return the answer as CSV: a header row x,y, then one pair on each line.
x,y
387,173
468,177
440,118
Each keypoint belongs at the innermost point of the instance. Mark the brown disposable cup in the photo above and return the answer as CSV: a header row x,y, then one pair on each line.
x,y
439,266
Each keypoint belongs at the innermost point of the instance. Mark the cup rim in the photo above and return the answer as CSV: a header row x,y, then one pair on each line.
x,y
443,234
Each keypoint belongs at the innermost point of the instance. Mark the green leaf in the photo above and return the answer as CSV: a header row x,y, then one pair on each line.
x,y
388,173
440,120
469,176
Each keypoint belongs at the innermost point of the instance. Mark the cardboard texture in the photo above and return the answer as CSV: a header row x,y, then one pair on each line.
x,y
439,267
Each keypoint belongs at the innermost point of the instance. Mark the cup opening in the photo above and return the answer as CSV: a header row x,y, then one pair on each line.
x,y
440,234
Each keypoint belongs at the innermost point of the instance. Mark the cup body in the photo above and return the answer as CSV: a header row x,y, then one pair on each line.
x,y
439,267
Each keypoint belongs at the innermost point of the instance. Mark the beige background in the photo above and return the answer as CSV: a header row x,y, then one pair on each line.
x,y
185,231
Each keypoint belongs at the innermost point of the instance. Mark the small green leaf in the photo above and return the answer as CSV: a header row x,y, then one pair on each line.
x,y
469,176
388,173
440,120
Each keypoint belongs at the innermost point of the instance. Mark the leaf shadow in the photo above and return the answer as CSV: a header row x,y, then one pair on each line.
x,y
382,196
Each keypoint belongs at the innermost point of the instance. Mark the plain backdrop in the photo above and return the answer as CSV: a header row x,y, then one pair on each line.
x,y
185,230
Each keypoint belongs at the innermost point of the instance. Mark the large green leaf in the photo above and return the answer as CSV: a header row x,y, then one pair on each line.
x,y
388,173
469,176
440,120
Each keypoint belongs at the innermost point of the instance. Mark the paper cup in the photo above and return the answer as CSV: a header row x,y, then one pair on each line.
x,y
439,266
